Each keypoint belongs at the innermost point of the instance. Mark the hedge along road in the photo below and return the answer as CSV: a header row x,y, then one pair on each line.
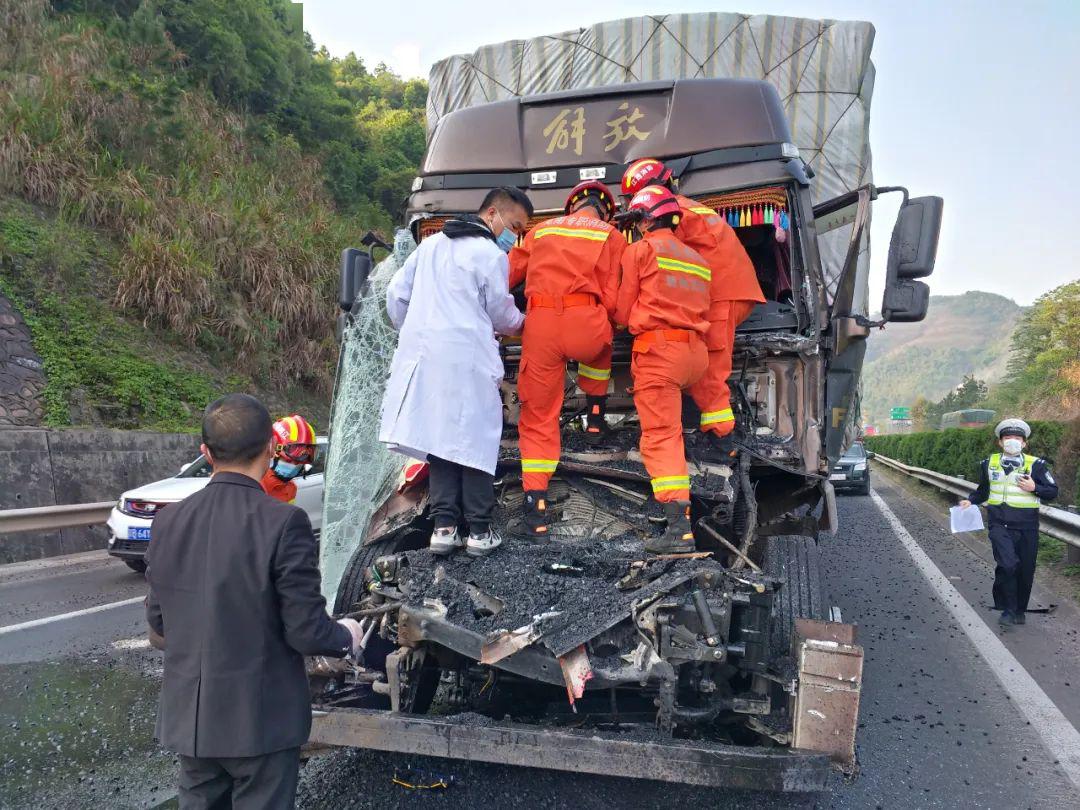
x,y
937,728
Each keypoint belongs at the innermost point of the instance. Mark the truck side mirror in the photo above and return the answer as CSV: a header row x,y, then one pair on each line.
x,y
355,269
912,253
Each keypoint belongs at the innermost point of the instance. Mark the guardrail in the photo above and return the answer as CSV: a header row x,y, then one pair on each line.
x,y
1059,523
51,518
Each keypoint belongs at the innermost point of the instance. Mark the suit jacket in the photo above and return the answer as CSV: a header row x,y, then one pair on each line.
x,y
234,589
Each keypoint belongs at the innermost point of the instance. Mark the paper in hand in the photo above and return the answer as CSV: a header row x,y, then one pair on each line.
x,y
965,520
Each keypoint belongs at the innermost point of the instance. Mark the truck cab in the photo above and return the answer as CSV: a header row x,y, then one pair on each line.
x,y
713,647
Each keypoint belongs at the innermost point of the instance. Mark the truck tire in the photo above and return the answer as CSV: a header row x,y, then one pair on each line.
x,y
793,559
351,588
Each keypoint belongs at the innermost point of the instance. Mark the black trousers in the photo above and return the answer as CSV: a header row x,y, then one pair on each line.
x,y
1015,549
456,490
240,783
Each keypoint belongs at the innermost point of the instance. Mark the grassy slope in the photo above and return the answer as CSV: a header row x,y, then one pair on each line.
x,y
174,249
962,334
104,366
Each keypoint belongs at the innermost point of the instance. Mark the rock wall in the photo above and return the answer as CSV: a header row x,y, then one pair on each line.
x,y
22,379
50,467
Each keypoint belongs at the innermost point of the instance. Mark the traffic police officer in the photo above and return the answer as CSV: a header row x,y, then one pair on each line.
x,y
1012,484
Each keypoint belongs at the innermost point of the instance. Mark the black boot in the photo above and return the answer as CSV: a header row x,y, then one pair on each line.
x,y
596,426
679,536
709,447
535,506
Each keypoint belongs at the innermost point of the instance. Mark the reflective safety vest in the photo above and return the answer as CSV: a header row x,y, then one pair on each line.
x,y
1004,489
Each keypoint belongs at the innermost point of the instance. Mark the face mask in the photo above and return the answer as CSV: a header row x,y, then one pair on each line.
x,y
286,471
1013,447
507,239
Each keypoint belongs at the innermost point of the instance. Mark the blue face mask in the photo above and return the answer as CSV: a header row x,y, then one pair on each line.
x,y
286,471
507,239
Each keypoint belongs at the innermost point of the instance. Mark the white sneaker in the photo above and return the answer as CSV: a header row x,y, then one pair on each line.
x,y
445,541
481,544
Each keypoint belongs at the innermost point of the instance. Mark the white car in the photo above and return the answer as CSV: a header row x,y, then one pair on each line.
x,y
129,522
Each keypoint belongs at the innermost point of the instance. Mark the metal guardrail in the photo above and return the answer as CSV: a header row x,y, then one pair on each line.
x,y
50,518
1059,523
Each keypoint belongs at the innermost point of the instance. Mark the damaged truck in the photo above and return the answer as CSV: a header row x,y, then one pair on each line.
x,y
579,651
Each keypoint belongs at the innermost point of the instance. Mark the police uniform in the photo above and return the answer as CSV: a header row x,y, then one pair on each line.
x,y
1013,523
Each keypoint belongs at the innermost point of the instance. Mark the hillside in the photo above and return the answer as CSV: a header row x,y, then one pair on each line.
x,y
177,180
962,335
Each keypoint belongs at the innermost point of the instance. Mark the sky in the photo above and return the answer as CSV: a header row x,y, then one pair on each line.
x,y
976,102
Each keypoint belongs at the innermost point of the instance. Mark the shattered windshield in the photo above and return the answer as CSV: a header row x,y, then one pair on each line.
x,y
360,471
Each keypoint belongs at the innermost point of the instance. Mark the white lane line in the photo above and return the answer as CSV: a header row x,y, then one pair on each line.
x,y
132,644
12,628
1058,735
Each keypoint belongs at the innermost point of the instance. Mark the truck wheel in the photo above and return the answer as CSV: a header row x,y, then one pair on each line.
x,y
351,589
138,566
794,560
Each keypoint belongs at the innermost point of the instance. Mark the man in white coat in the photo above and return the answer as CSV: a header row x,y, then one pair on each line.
x,y
442,402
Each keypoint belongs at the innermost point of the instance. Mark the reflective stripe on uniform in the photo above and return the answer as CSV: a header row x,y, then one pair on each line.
x,y
572,233
670,482
1004,489
540,465
598,374
712,417
676,266
703,210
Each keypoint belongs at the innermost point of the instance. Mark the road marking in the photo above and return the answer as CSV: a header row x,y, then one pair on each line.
x,y
132,644
96,558
1058,735
11,628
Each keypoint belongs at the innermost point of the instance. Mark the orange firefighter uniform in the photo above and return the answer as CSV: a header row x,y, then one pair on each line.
x,y
664,300
570,266
276,488
733,293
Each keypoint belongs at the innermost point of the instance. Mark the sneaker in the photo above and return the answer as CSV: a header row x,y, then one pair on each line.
x,y
480,545
535,511
1020,618
445,541
1006,619
679,535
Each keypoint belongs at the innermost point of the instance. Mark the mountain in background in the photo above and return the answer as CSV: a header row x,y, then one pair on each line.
x,y
962,334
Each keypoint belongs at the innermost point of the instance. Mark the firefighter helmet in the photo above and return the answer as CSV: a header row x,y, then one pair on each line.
x,y
595,189
654,202
643,173
1013,427
294,439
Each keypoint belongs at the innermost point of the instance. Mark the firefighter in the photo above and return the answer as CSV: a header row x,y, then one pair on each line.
x,y
570,266
1012,484
733,294
294,449
664,301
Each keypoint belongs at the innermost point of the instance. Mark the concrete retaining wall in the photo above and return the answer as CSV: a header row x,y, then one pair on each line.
x,y
51,467
22,379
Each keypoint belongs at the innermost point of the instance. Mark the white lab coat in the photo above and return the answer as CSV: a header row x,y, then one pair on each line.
x,y
448,300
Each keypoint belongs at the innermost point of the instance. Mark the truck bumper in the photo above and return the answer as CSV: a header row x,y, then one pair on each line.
x,y
684,762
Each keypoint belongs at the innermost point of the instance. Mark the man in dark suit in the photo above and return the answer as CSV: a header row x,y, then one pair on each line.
x,y
234,592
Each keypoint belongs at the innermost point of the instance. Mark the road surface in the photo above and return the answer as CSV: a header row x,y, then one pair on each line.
x,y
937,729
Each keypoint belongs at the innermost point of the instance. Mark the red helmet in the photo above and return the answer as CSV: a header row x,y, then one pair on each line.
x,y
654,202
591,188
294,439
643,173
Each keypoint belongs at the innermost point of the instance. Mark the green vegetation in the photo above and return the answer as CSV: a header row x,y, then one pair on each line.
x,y
958,452
214,164
963,335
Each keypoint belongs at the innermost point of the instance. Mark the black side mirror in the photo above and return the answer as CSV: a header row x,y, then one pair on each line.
x,y
871,455
355,269
912,253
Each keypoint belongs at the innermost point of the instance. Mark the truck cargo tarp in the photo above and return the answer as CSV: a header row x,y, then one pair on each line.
x,y
821,68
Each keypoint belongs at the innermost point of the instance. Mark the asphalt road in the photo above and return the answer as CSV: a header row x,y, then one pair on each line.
x,y
937,728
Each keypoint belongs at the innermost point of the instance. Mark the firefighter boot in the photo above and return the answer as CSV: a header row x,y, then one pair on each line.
x,y
679,536
709,447
535,505
596,426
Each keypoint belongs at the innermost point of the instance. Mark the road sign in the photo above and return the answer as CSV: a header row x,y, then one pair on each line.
x,y
900,413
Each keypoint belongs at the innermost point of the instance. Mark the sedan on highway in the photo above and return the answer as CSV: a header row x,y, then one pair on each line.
x,y
130,520
852,471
